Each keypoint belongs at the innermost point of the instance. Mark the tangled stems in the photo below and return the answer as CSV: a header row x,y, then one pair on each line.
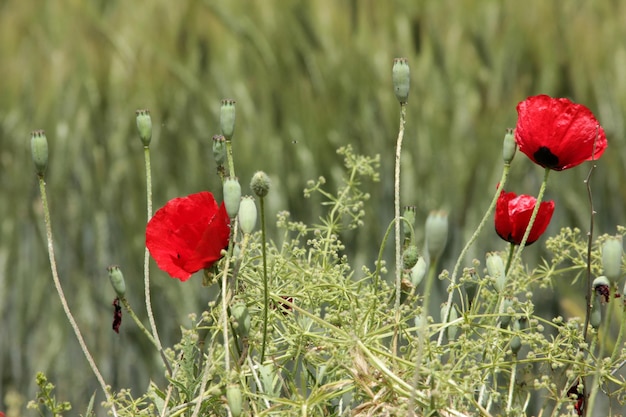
x,y
146,263
470,242
59,288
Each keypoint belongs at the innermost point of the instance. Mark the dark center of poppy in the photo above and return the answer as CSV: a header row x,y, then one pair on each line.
x,y
545,158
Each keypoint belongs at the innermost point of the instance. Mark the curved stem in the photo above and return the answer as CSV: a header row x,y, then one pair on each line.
x,y
470,242
396,199
59,288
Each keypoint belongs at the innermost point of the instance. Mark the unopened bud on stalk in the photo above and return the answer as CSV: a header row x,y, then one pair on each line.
x,y
409,223
509,146
495,269
247,214
436,231
595,318
601,287
39,151
227,118
516,341
219,149
418,272
410,257
144,126
232,196
235,399
401,77
117,280
260,184
612,258
241,315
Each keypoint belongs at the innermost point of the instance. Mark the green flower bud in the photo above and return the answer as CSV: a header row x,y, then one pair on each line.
x,y
235,399
516,341
39,151
260,184
509,146
227,118
595,318
471,286
410,257
601,287
495,269
241,315
612,258
232,196
409,224
247,214
219,149
117,280
505,317
418,272
401,76
144,126
436,231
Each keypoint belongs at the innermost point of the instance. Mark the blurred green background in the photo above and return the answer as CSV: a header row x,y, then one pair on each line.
x,y
308,77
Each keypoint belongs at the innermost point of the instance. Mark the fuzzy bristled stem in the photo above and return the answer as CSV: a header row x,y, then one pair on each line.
x,y
146,261
229,156
396,200
59,289
266,293
468,245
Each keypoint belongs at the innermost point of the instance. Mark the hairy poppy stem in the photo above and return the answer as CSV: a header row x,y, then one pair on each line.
x,y
396,203
59,288
468,245
266,294
510,258
146,263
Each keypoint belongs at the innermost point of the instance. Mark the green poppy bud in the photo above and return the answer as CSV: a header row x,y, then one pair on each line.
x,y
219,149
247,214
401,77
144,126
495,269
260,184
227,118
471,286
612,258
436,231
418,272
409,224
235,399
117,280
516,341
241,315
509,146
410,257
232,196
595,318
39,151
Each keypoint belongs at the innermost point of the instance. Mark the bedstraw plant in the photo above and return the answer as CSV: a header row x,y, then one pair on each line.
x,y
296,328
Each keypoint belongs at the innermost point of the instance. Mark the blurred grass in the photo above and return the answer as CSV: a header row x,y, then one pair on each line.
x,y
308,77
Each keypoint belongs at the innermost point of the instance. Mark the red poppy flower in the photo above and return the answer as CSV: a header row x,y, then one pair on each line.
x,y
188,234
557,133
513,215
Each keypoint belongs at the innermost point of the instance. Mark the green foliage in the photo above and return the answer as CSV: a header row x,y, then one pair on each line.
x,y
46,400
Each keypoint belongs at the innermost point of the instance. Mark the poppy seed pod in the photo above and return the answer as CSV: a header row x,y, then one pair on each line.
x,y
410,257
436,231
509,146
247,214
232,196
409,223
227,118
612,258
117,280
39,151
401,77
219,149
418,272
495,269
144,126
260,184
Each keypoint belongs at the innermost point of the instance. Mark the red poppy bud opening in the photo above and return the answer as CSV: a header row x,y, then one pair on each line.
x,y
513,215
188,234
557,133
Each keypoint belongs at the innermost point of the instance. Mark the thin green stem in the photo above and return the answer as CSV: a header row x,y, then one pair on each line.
x,y
619,342
231,161
266,293
146,263
510,258
380,256
509,402
59,289
396,199
143,329
470,242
